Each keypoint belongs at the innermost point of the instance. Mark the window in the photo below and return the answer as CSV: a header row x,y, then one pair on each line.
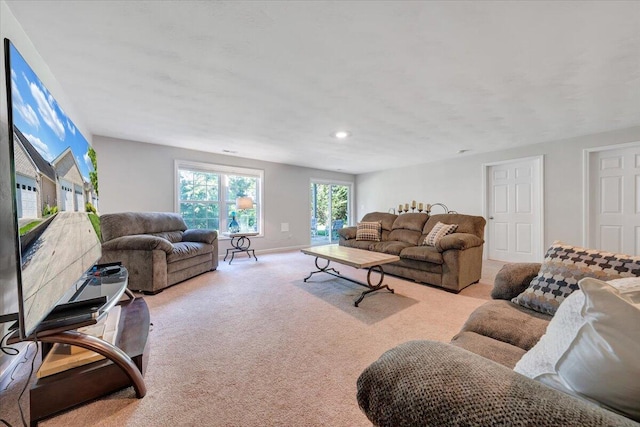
x,y
206,195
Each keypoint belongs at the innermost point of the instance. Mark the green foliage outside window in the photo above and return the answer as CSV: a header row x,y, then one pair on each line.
x,y
93,175
339,203
201,200
240,186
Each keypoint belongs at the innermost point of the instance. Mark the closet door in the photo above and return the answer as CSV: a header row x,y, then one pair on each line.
x,y
615,200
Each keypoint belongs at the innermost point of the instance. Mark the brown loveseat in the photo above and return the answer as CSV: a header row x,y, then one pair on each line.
x,y
454,263
470,381
157,248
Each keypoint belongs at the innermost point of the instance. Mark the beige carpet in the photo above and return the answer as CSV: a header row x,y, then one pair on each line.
x,y
253,345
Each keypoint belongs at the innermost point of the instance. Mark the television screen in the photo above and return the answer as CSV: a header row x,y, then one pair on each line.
x,y
55,194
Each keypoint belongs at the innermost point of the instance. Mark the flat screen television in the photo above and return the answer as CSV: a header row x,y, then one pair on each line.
x,y
54,195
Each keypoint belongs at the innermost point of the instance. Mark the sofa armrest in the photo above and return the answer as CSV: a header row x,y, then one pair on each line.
x,y
347,233
138,242
513,279
428,383
459,241
200,236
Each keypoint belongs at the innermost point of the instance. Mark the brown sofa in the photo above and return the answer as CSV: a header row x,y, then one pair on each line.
x,y
454,263
471,380
157,248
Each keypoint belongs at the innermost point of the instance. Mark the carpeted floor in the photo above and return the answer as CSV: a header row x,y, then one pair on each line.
x,y
251,344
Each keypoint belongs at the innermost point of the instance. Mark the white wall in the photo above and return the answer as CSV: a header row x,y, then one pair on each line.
x,y
136,176
458,182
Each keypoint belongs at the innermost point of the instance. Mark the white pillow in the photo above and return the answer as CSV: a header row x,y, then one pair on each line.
x,y
592,345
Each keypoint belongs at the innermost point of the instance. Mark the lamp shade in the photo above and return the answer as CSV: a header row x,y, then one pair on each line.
x,y
244,203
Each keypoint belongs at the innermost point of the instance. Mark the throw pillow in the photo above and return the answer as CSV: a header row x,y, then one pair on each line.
x,y
562,269
438,232
591,347
369,231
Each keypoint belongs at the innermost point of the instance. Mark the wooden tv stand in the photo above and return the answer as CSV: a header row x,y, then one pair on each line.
x,y
124,365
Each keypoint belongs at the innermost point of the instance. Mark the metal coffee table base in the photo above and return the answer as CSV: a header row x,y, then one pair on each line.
x,y
371,287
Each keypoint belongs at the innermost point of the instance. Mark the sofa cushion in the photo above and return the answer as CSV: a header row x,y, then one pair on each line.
x,y
347,233
499,351
200,235
369,231
471,224
508,322
591,347
128,223
512,279
438,232
359,244
391,247
386,219
184,250
459,241
138,242
564,266
410,221
172,236
404,235
422,253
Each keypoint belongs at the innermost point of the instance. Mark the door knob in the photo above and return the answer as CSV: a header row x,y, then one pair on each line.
x,y
490,217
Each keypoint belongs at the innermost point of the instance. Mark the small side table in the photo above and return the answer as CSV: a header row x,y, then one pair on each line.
x,y
240,242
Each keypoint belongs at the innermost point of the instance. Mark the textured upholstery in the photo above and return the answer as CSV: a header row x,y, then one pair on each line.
x,y
410,221
424,253
470,224
131,223
157,248
454,263
427,383
470,382
504,353
508,322
512,279
386,219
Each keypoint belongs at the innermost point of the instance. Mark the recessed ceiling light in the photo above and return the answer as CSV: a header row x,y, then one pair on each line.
x,y
341,134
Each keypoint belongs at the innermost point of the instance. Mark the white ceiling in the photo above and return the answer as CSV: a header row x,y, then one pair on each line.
x,y
413,81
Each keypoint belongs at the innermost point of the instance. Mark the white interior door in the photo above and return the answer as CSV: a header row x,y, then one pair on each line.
x,y
615,200
514,210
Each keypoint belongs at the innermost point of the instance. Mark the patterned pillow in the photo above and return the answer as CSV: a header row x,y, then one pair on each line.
x,y
369,231
562,269
438,232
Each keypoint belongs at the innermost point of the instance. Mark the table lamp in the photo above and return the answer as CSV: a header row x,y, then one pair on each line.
x,y
242,204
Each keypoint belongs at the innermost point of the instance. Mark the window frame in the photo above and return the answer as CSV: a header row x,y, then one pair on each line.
x,y
222,170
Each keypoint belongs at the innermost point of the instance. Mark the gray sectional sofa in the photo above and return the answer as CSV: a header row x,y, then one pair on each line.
x,y
454,263
157,248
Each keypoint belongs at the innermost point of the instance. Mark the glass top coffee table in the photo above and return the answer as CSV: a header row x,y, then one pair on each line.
x,y
357,258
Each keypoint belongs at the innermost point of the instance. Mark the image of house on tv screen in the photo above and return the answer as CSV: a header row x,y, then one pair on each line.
x,y
56,188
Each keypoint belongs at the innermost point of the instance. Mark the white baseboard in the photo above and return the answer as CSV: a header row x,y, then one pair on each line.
x,y
272,250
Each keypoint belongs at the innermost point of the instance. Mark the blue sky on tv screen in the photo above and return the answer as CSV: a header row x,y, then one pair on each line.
x,y
39,117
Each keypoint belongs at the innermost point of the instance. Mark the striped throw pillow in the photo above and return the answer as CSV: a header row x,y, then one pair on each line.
x,y
369,231
438,232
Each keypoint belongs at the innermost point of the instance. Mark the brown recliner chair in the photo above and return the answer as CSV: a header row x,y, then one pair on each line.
x,y
157,248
